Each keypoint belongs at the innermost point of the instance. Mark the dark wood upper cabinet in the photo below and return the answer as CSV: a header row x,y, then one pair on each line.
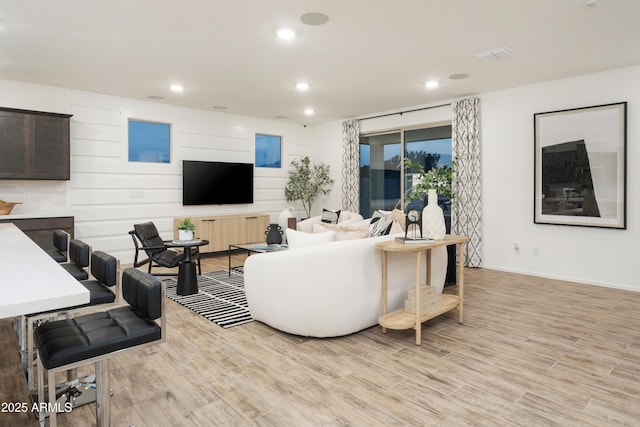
x,y
34,145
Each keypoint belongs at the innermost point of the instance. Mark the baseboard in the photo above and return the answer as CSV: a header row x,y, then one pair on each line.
x,y
563,278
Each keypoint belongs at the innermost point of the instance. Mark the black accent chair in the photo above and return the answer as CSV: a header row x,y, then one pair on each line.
x,y
146,238
79,256
95,338
60,246
104,290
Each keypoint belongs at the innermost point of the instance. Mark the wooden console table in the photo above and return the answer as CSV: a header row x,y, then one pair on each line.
x,y
400,319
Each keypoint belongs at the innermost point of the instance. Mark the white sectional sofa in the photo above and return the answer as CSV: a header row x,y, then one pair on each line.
x,y
331,289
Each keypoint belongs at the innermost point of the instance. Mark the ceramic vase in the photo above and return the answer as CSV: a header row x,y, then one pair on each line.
x,y
433,226
283,221
274,234
185,235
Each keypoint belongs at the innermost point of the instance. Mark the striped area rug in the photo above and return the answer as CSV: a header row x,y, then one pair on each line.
x,y
220,298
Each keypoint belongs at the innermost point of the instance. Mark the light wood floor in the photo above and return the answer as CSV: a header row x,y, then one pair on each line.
x,y
532,352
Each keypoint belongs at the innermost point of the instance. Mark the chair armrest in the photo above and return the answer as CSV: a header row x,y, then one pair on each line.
x,y
146,248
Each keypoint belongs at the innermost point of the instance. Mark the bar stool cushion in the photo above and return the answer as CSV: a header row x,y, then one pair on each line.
x,y
68,341
77,272
99,293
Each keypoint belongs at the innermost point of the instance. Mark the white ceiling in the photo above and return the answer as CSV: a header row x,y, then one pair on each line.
x,y
372,56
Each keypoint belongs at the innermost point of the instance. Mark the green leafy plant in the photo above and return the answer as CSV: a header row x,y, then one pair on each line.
x,y
186,224
307,182
438,178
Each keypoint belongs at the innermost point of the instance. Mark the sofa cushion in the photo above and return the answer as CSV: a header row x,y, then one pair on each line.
x,y
299,239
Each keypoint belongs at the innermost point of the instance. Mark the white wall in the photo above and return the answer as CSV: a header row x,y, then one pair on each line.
x,y
107,195
589,255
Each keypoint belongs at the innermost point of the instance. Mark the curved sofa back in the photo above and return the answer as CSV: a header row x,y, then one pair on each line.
x,y
331,289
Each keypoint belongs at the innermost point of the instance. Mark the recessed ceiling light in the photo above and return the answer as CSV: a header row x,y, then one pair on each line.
x,y
458,76
177,88
309,111
302,86
314,18
286,34
431,84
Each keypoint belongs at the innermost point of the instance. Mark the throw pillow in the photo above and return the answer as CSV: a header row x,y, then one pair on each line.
x,y
330,216
380,224
299,239
342,232
347,217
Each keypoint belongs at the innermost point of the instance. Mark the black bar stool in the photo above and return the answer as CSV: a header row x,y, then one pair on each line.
x,y
95,338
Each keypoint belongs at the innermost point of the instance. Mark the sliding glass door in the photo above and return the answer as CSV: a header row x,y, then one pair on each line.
x,y
383,180
380,172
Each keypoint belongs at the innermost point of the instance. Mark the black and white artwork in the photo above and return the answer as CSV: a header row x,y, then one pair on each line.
x,y
580,166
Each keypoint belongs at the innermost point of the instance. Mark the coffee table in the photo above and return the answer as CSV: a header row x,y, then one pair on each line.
x,y
253,248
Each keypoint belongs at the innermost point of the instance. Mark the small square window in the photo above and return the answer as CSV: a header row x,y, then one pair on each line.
x,y
149,142
268,149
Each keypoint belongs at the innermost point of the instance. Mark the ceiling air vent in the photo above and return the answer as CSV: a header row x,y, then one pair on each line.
x,y
496,55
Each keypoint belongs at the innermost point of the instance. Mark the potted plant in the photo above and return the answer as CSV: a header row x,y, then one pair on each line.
x,y
438,179
307,182
186,229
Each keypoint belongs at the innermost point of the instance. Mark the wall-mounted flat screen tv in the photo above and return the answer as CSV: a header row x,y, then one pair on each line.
x,y
216,183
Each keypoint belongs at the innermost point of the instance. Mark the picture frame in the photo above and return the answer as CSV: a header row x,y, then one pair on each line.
x,y
580,166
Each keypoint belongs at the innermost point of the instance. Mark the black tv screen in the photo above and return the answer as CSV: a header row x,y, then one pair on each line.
x,y
216,183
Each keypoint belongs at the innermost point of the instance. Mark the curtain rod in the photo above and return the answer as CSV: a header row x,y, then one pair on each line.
x,y
402,112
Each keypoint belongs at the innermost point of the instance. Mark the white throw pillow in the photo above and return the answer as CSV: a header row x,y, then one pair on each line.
x,y
347,217
299,239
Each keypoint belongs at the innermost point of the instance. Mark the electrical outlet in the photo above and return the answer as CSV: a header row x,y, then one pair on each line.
x,y
536,251
516,248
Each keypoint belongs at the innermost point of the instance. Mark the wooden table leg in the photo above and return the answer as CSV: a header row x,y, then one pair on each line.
x,y
460,274
419,297
384,287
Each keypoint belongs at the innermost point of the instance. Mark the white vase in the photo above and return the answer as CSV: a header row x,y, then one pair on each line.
x,y
283,221
433,226
185,235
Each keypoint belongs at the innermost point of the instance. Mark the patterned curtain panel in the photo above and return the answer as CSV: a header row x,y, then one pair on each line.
x,y
351,166
467,207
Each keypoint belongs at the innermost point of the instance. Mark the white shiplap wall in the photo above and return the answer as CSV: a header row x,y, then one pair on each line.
x,y
107,194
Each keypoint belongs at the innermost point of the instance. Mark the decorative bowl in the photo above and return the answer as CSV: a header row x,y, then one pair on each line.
x,y
5,208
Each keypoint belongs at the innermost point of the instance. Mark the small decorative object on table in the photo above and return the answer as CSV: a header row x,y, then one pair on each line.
x,y
186,229
274,234
414,221
6,207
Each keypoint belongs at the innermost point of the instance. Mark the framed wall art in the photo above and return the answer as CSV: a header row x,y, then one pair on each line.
x,y
580,166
